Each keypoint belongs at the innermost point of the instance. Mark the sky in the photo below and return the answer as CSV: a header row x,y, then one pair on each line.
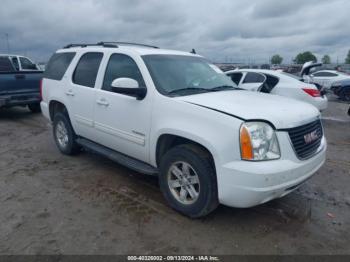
x,y
222,30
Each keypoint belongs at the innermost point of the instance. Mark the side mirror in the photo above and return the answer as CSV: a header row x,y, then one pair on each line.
x,y
129,86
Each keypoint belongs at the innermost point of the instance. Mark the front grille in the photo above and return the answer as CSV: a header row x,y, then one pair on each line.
x,y
304,146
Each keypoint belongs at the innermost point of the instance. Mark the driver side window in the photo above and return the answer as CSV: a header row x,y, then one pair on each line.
x,y
120,66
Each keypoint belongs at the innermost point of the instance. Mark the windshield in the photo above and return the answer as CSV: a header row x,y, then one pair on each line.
x,y
177,75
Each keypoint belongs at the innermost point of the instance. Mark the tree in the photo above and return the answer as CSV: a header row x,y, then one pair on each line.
x,y
307,56
347,60
326,59
276,60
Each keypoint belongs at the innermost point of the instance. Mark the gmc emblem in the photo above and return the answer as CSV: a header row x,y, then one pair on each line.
x,y
309,138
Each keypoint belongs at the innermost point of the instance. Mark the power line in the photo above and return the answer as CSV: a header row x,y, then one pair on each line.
x,y
8,43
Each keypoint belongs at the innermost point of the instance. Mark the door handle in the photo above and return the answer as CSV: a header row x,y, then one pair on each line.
x,y
102,102
20,76
70,93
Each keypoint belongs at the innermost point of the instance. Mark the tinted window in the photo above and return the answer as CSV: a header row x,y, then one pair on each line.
x,y
57,66
27,64
326,74
5,64
253,78
236,77
86,71
121,66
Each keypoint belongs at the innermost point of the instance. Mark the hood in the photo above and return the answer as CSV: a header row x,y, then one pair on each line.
x,y
280,111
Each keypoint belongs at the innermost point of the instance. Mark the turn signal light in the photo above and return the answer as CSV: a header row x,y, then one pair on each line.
x,y
246,144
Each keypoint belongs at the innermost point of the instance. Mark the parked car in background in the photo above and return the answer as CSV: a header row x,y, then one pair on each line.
x,y
342,89
176,115
326,78
323,78
19,82
278,83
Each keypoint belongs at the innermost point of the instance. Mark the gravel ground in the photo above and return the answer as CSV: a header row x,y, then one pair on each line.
x,y
54,204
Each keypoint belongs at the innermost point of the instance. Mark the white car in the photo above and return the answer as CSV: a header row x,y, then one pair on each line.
x,y
173,114
278,83
326,78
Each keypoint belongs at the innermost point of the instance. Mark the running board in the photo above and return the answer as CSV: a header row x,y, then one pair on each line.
x,y
119,158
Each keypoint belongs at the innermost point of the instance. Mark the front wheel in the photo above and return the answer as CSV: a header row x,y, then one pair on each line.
x,y
188,181
345,94
64,135
35,108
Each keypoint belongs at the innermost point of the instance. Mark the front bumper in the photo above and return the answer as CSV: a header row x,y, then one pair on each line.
x,y
245,184
320,102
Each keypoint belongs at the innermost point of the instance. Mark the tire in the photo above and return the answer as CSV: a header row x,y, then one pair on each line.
x,y
64,135
199,164
35,108
345,94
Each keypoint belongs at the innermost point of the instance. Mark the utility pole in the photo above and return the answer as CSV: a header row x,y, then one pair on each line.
x,y
8,43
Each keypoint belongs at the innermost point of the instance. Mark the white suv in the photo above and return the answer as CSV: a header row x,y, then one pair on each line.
x,y
176,115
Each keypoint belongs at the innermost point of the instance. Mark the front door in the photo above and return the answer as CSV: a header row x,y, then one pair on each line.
x,y
121,121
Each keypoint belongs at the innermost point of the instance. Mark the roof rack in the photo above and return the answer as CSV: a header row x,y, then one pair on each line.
x,y
86,45
109,44
127,43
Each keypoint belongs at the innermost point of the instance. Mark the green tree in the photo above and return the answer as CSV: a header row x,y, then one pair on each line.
x,y
326,59
304,57
347,60
276,60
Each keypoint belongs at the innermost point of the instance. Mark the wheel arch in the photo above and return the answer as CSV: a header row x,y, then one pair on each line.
x,y
167,141
57,106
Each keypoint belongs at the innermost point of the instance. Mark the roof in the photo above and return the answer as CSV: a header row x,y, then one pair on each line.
x,y
263,71
329,71
141,50
9,55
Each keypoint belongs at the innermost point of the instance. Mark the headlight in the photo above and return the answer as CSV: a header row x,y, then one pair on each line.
x,y
258,142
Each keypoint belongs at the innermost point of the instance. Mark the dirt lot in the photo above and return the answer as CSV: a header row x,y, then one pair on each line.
x,y
54,204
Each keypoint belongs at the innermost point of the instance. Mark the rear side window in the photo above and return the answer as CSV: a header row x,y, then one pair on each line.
x,y
326,74
27,64
86,71
253,78
57,66
120,65
5,64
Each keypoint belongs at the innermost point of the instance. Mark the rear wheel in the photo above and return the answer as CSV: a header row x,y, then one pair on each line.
x,y
188,180
345,94
35,108
64,135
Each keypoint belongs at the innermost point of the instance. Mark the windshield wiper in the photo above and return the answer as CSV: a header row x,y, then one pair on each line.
x,y
191,89
224,87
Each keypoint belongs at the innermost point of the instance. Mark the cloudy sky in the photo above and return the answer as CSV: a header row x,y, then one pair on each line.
x,y
225,30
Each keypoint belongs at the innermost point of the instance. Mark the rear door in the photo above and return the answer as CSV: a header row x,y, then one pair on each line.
x,y
80,93
252,81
